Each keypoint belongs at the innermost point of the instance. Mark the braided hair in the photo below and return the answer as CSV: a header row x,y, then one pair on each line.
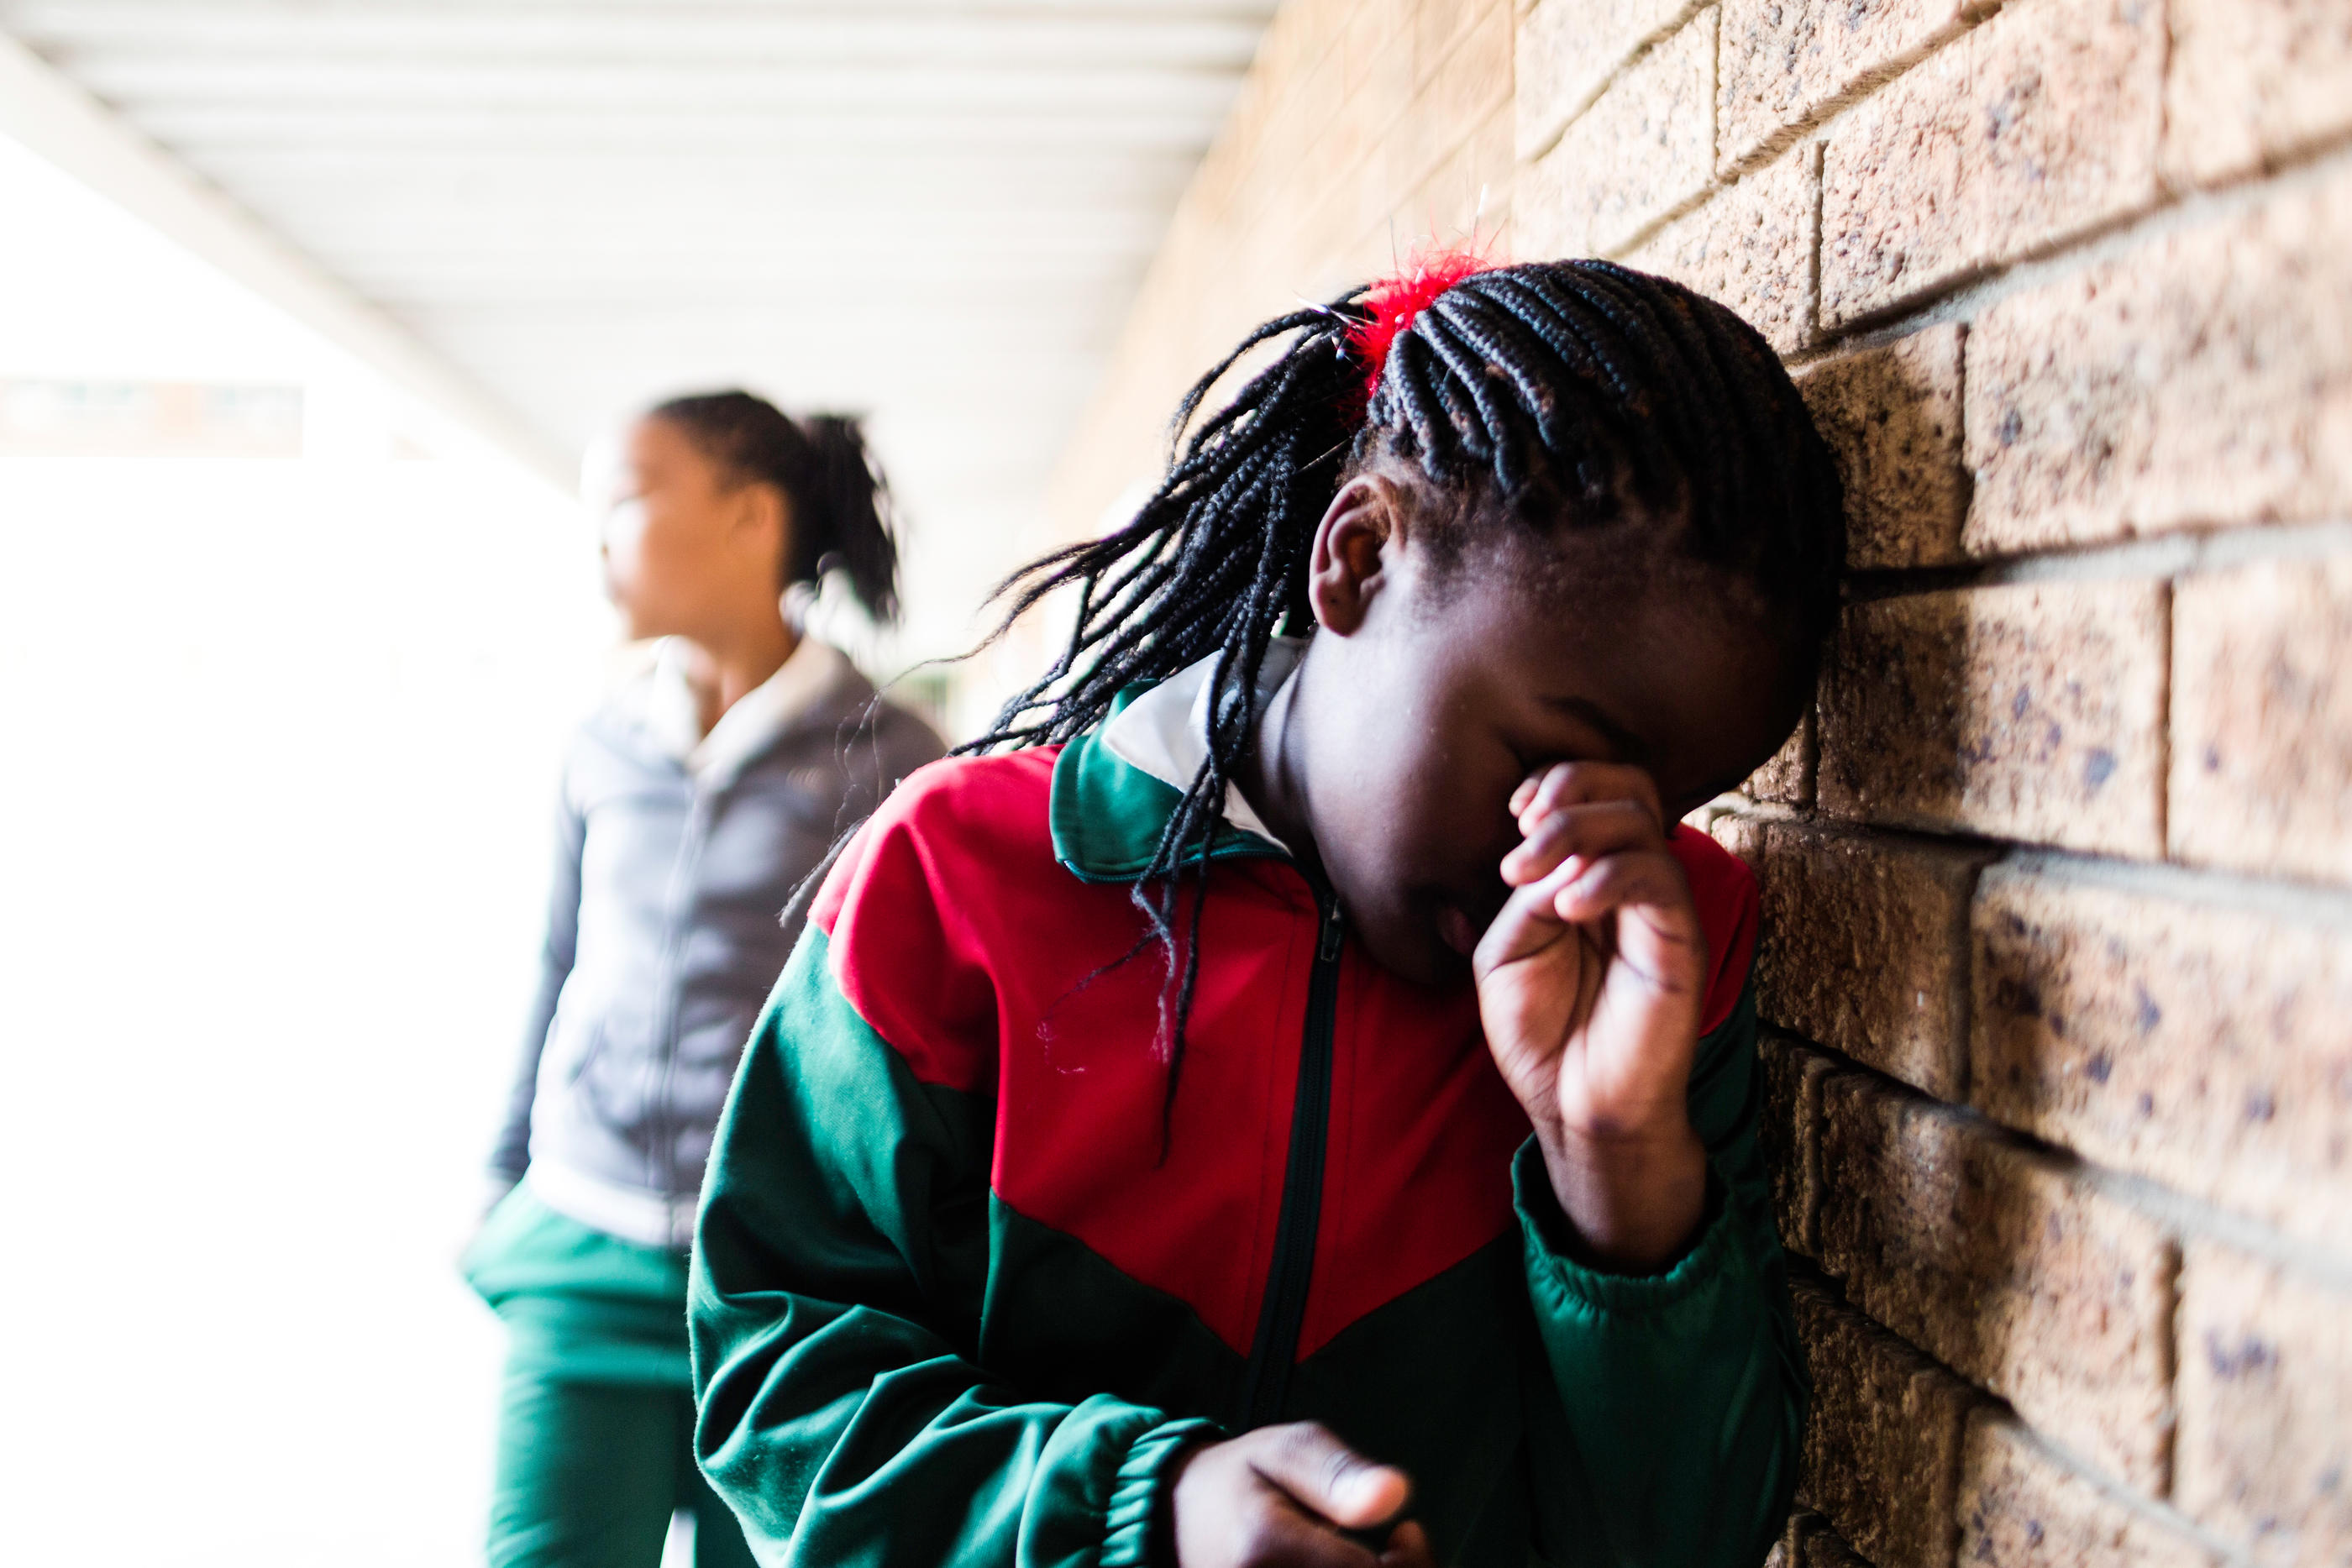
x,y
842,515
1566,396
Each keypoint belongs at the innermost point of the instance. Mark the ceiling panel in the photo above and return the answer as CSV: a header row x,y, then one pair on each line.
x,y
931,212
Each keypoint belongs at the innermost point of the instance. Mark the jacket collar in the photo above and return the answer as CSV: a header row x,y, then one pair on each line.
x,y
816,685
1115,786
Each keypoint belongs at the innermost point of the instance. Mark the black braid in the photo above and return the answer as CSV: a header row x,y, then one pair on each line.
x,y
1570,394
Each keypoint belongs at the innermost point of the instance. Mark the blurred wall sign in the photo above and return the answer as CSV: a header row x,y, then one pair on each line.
x,y
160,418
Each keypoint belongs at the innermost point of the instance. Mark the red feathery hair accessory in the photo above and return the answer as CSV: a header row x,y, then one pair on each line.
x,y
1395,301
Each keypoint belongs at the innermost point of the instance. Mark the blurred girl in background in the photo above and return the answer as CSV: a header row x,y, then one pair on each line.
x,y
693,803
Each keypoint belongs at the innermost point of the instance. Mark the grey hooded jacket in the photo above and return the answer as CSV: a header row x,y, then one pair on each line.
x,y
664,936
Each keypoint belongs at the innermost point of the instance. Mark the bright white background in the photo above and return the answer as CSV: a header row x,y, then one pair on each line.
x,y
277,742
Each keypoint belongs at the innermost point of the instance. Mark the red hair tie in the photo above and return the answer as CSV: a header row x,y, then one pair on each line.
x,y
1395,301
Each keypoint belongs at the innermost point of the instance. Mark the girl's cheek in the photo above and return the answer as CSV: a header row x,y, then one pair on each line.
x,y
623,546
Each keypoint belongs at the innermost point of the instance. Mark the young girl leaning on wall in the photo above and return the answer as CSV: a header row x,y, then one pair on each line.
x,y
1293,1101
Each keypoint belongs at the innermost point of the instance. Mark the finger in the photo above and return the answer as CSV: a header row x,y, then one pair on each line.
x,y
1603,885
1587,831
1407,1548
1661,937
1327,1478
1526,926
1581,783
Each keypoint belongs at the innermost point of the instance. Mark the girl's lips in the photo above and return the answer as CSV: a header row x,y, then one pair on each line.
x,y
1455,928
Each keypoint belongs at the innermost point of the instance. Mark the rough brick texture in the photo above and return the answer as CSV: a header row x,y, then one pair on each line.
x,y
1786,777
1742,835
2201,1045
1787,1133
1891,416
1567,50
2262,719
1786,60
2180,385
2010,1267
2033,127
1751,247
1362,129
2265,1455
1813,1544
2030,713
1864,948
2023,1506
2252,82
1881,1452
1645,147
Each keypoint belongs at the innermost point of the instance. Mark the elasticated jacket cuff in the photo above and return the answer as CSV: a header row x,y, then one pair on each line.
x,y
1135,1490
1562,1287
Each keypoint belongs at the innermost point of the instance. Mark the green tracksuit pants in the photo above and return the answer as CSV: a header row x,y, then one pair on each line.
x,y
589,1474
597,1419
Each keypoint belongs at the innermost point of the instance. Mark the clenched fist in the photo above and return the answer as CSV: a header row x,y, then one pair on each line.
x,y
1292,1497
1589,986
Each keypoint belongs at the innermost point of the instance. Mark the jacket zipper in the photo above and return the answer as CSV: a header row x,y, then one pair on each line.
x,y
1266,1383
683,875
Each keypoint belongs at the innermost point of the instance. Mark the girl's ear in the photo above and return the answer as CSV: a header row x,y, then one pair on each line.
x,y
762,523
1349,561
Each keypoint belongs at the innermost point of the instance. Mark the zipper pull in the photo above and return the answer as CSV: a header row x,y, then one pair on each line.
x,y
1329,949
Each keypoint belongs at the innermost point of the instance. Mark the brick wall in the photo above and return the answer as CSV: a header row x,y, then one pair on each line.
x,y
2058,872
1363,126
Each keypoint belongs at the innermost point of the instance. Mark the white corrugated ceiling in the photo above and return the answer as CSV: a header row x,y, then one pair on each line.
x,y
932,211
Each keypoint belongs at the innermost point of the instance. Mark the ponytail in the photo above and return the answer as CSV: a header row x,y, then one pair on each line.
x,y
843,518
852,500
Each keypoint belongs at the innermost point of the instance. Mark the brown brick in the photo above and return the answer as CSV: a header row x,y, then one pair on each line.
x,y
2007,1266
2022,1506
1786,60
2265,1383
2262,719
1881,1455
2203,378
1380,61
1332,142
1808,1542
1789,1547
1469,86
1646,146
2253,81
1751,247
1439,25
1467,197
1569,50
2039,124
2021,712
1743,836
1791,1075
1864,948
2199,1044
1786,778
1891,416
1821,1547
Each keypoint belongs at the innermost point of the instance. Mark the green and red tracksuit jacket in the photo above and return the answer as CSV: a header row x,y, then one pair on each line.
x,y
957,1300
